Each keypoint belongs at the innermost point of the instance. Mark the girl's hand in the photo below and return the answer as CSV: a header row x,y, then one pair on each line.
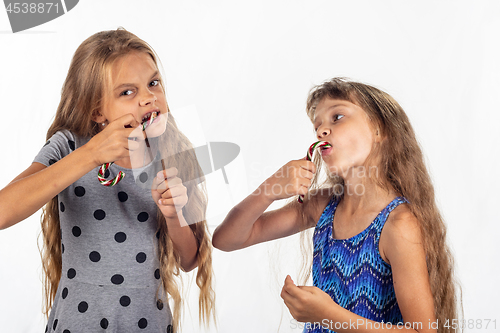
x,y
112,143
307,304
292,179
169,193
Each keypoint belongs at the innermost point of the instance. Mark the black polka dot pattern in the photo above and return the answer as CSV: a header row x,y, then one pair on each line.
x,y
122,196
52,161
120,237
99,214
71,273
124,301
110,234
170,329
143,217
159,304
143,177
140,257
106,174
46,143
83,307
117,279
79,191
94,256
143,323
76,231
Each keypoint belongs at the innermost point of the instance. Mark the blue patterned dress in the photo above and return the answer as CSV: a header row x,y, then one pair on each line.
x,y
352,271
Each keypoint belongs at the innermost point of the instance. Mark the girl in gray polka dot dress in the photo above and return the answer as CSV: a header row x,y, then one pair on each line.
x,y
112,254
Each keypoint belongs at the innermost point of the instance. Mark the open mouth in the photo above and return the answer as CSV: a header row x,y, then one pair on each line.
x,y
326,149
148,119
149,116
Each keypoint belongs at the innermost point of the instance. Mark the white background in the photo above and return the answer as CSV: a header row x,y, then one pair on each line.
x,y
241,71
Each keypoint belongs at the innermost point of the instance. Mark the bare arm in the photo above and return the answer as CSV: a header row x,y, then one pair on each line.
x,y
402,244
247,224
170,195
35,186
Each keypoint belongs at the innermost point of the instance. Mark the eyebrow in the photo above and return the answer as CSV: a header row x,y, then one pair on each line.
x,y
123,85
328,109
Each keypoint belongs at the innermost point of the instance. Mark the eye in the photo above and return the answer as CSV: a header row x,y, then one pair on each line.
x,y
154,83
126,92
338,117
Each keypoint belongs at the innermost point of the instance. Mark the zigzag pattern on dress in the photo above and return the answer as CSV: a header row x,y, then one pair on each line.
x,y
352,271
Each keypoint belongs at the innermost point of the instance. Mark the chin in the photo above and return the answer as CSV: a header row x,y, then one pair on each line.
x,y
158,127
339,170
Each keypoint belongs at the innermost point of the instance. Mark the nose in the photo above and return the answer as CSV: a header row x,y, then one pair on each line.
x,y
147,98
322,132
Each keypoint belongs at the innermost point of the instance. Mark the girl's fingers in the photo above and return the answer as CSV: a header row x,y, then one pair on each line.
x,y
168,173
306,174
134,134
309,166
170,182
126,121
166,179
132,145
174,191
179,201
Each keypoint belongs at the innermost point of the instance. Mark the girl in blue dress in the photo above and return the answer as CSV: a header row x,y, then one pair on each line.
x,y
380,258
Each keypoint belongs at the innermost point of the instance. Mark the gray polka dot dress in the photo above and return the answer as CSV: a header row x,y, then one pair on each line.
x,y
110,267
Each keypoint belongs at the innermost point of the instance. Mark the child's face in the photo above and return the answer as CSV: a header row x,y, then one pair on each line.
x,y
135,88
348,129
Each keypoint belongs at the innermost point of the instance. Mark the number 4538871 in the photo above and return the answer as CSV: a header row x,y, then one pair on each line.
x,y
27,7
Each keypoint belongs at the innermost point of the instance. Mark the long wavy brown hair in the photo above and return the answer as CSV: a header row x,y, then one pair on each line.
x,y
81,98
402,168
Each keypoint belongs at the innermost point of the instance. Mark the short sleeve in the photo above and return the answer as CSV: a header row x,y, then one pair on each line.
x,y
58,146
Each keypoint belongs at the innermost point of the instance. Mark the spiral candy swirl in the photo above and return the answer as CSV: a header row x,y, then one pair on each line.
x,y
104,181
121,174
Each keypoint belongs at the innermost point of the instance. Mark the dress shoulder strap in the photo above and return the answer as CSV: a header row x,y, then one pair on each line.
x,y
382,217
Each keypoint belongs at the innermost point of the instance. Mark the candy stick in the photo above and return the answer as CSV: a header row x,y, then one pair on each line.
x,y
121,174
163,165
310,152
112,182
149,122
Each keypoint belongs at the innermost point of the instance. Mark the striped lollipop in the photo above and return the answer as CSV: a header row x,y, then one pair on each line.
x,y
310,152
121,174
150,121
104,181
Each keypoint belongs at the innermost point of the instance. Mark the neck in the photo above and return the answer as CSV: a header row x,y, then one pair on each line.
x,y
361,193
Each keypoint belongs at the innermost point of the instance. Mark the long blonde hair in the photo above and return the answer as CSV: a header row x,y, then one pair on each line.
x,y
402,168
81,98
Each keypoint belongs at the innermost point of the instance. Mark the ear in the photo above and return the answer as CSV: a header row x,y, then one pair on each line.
x,y
378,135
98,117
